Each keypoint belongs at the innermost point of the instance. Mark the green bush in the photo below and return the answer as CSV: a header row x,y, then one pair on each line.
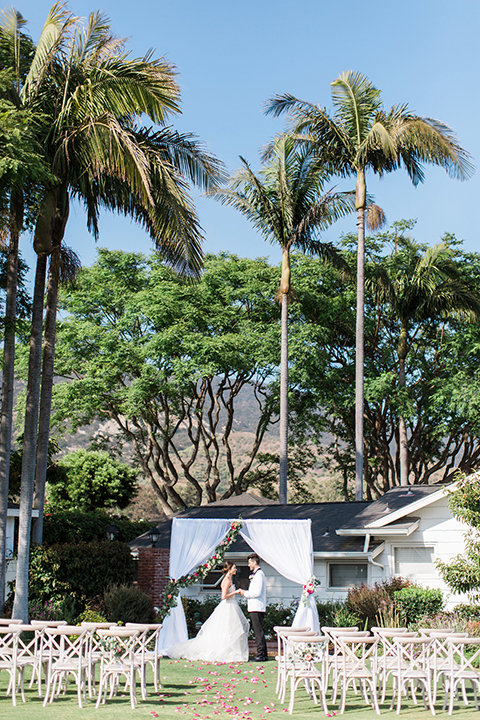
x,y
79,572
278,614
127,603
91,616
469,612
415,602
74,526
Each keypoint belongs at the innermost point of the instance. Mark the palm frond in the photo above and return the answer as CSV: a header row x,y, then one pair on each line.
x,y
356,100
54,34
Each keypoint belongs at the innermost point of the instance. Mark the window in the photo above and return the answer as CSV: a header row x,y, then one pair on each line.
x,y
212,581
343,575
414,560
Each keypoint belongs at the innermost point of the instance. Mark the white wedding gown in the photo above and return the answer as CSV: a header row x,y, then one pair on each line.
x,y
223,637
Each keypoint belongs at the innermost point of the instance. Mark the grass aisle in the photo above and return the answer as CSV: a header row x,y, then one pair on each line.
x,y
209,691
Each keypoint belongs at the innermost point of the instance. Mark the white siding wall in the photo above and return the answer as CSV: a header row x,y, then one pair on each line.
x,y
437,529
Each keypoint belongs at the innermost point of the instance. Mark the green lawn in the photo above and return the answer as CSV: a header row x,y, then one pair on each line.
x,y
205,691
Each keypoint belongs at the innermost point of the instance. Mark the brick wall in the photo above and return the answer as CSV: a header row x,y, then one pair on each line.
x,y
153,571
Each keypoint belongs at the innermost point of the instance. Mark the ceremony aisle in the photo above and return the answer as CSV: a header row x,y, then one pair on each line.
x,y
209,691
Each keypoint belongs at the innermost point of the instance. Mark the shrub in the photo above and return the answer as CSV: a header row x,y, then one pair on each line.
x,y
278,614
394,584
73,526
78,572
345,617
415,602
366,601
92,616
470,612
44,611
327,612
127,603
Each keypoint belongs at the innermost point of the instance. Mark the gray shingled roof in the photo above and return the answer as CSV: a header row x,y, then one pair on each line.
x,y
395,499
326,518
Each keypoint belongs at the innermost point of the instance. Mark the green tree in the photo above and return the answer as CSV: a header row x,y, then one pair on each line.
x,y
287,203
441,407
21,167
421,285
93,95
359,137
91,480
168,363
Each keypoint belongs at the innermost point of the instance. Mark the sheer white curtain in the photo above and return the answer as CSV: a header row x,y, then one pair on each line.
x,y
192,542
287,546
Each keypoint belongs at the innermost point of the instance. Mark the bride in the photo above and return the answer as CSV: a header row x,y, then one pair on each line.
x,y
223,637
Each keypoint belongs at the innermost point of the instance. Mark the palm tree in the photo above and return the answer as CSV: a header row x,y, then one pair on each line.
x,y
93,93
422,285
359,137
286,203
22,161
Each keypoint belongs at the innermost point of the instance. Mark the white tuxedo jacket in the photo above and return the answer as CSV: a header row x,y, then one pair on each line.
x,y
256,593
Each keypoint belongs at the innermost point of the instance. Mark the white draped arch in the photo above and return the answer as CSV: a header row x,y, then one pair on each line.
x,y
286,545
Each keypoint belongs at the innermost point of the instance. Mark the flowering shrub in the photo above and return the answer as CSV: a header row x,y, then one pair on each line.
x,y
170,594
43,611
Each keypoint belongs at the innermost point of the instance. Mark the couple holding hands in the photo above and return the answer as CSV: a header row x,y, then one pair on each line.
x,y
224,635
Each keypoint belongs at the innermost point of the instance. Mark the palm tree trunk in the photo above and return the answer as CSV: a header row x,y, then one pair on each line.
x,y
20,606
46,395
402,427
282,495
284,291
360,201
8,379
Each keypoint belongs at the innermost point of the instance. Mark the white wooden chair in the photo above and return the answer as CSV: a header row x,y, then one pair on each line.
x,y
119,662
287,658
66,657
94,651
464,661
146,652
280,660
387,653
9,637
307,666
441,662
334,659
414,666
358,664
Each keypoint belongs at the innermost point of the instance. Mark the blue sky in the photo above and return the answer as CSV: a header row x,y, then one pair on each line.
x,y
232,56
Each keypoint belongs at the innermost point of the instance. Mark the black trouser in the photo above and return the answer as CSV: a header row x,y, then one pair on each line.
x,y
257,624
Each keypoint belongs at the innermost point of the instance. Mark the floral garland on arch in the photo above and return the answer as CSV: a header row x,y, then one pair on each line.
x,y
170,594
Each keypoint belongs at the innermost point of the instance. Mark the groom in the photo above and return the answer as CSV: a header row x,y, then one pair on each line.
x,y
257,600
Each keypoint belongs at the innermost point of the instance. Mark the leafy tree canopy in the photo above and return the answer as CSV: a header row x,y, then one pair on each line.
x,y
92,479
439,400
167,361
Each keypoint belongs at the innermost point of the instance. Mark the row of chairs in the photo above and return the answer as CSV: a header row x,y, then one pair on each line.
x,y
347,658
57,652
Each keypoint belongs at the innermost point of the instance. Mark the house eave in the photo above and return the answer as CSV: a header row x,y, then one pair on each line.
x,y
353,532
408,509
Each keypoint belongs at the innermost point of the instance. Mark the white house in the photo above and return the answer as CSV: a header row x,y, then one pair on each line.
x,y
402,533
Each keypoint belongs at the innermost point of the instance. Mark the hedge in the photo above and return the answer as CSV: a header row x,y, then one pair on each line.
x,y
82,571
